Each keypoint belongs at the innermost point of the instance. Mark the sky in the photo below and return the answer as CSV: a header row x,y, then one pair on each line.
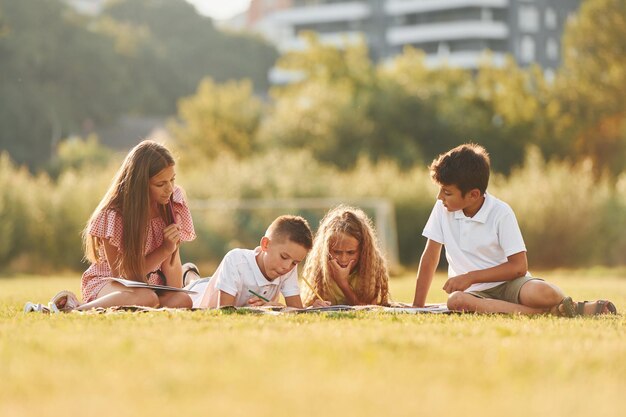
x,y
220,9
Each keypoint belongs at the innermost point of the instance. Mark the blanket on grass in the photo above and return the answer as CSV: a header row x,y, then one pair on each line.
x,y
395,308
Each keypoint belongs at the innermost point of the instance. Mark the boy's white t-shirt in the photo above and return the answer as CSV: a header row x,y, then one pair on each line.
x,y
237,273
476,243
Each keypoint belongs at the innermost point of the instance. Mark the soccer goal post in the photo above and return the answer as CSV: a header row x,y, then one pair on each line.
x,y
381,209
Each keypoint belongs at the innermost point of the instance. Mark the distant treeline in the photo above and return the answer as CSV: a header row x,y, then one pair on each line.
x,y
62,73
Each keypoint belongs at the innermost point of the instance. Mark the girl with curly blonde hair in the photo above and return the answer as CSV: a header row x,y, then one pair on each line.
x,y
345,265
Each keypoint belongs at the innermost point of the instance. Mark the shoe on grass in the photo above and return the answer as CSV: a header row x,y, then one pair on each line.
x,y
189,270
64,301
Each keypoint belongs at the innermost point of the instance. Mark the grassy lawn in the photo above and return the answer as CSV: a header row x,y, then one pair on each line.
x,y
212,363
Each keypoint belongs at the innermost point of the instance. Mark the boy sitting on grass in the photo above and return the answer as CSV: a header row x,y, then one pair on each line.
x,y
488,269
257,277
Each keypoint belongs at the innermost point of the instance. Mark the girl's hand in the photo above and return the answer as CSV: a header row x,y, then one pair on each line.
x,y
171,237
339,273
257,302
320,303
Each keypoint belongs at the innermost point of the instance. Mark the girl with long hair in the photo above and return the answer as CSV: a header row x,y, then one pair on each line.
x,y
134,234
346,265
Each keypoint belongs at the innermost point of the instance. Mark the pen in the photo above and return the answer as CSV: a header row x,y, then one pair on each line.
x,y
258,295
170,211
312,289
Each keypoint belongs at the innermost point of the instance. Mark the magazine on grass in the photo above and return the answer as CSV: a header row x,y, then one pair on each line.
x,y
137,284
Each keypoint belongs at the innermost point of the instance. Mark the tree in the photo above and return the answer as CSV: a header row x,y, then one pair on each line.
x,y
77,154
173,48
592,83
218,119
502,108
343,109
55,76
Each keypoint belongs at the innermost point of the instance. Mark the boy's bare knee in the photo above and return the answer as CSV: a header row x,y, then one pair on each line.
x,y
457,301
538,292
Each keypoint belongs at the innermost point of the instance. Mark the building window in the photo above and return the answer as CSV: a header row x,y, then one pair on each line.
x,y
443,49
528,19
549,75
552,49
550,18
400,20
486,15
527,49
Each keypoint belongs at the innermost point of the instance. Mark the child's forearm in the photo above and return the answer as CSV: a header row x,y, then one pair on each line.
x,y
351,296
154,259
516,266
426,271
294,301
425,275
173,272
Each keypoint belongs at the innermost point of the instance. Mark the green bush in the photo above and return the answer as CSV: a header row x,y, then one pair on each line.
x,y
568,218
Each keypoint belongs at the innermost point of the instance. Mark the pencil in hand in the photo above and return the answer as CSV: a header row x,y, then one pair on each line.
x,y
258,296
312,289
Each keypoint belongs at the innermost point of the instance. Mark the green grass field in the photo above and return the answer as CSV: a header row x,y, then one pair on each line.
x,y
213,363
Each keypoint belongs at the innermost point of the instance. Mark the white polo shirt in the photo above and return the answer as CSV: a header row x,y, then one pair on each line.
x,y
238,272
476,243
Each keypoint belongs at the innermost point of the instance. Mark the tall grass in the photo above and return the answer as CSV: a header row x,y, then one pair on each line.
x,y
568,217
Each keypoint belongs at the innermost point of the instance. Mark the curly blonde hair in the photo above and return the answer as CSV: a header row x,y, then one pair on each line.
x,y
372,286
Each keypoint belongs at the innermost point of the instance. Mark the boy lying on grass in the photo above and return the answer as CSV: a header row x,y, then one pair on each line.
x,y
257,277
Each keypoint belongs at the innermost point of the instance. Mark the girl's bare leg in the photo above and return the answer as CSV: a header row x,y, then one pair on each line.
x,y
115,294
174,299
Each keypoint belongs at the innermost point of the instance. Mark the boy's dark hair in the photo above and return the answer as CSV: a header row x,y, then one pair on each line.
x,y
466,166
294,228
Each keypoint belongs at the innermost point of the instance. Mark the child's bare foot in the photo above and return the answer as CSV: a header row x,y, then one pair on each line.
x,y
593,308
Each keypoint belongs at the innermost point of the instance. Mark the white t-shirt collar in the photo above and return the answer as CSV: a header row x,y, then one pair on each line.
x,y
483,213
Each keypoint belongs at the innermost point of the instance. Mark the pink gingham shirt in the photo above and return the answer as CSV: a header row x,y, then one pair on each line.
x,y
109,225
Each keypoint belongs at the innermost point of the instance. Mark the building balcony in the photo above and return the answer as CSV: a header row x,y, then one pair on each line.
x,y
279,76
323,13
466,59
402,7
449,31
339,40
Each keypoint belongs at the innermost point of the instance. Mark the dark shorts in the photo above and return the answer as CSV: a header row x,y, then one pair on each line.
x,y
507,291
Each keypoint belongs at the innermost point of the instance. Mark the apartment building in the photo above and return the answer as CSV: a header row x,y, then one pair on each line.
x,y
452,32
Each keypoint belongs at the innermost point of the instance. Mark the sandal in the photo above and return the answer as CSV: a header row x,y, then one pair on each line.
x,y
186,269
64,301
568,308
36,308
600,304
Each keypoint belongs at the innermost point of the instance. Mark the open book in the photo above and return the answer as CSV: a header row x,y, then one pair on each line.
x,y
137,284
432,308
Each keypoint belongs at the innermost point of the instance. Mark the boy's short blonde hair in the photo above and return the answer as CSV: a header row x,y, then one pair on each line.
x,y
293,228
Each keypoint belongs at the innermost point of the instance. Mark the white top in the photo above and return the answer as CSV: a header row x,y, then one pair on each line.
x,y
238,272
479,242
